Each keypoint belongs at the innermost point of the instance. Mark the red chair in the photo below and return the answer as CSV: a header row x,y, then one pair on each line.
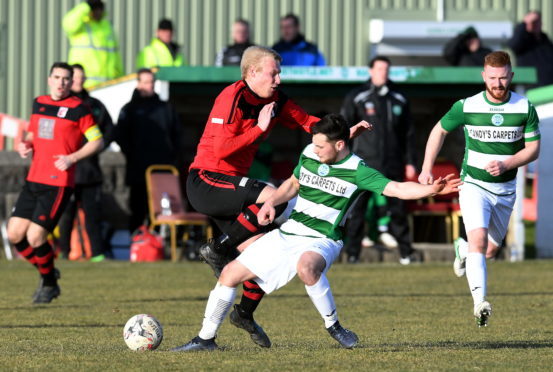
x,y
165,179
12,128
1,133
530,205
444,206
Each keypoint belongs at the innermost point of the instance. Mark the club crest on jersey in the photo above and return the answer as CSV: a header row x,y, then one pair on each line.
x,y
369,109
62,112
497,119
397,110
323,170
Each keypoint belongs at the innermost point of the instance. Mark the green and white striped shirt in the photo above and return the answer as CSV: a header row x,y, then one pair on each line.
x,y
493,131
327,192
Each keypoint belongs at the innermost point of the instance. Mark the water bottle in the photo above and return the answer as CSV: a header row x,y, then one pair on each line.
x,y
165,204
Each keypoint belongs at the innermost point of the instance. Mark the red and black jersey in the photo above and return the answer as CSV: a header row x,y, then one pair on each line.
x,y
231,135
57,128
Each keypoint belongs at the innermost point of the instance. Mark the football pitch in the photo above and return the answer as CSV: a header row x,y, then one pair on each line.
x,y
408,318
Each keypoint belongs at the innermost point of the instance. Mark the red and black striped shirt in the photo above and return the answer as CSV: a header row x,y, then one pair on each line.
x,y
231,136
58,128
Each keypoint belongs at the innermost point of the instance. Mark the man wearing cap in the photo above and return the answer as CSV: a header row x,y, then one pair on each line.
x,y
162,51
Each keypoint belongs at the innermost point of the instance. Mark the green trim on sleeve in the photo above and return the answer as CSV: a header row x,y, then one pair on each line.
x,y
532,125
454,118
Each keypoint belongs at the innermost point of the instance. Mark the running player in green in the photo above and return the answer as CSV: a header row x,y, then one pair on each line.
x,y
502,134
327,181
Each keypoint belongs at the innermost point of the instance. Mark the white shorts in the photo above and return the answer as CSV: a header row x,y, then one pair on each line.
x,y
482,209
274,257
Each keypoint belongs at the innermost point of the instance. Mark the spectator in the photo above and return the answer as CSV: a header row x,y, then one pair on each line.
x,y
231,55
162,51
88,178
465,49
148,131
93,42
388,148
292,46
533,48
378,220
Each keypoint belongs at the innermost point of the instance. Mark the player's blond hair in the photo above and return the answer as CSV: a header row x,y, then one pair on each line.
x,y
254,55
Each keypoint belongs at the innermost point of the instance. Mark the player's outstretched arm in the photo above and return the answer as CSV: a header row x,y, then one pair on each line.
x,y
433,147
413,190
288,190
359,128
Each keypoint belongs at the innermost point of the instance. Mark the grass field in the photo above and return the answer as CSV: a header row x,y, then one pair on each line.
x,y
408,318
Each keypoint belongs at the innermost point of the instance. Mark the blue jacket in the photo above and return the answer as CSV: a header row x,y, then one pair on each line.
x,y
299,52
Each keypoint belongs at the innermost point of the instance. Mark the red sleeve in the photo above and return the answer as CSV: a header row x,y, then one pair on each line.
x,y
32,128
230,131
294,116
228,143
86,122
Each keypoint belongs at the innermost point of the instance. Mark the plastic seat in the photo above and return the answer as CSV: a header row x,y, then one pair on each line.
x,y
165,179
445,206
530,205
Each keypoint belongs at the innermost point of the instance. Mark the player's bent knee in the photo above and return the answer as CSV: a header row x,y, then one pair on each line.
x,y
15,236
309,277
35,240
310,267
36,235
16,231
235,273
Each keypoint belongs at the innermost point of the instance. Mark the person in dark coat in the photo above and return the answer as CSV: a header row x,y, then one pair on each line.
x,y
148,132
533,48
231,55
388,148
466,49
88,178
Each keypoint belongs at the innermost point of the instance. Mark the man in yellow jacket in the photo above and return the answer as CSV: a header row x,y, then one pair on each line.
x,y
162,51
93,42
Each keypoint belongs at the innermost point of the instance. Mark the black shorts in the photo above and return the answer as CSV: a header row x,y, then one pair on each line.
x,y
220,196
42,204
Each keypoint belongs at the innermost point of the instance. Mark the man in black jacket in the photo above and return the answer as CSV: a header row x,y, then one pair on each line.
x,y
148,131
231,55
388,148
533,48
466,49
88,178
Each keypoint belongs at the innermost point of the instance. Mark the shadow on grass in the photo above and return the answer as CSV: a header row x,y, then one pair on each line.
x,y
32,307
36,307
399,295
167,299
42,326
539,344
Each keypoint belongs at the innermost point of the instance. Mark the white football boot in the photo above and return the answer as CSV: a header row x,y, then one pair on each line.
x,y
482,312
388,240
459,265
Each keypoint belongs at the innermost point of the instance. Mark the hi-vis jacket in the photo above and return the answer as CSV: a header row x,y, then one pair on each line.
x,y
157,54
93,45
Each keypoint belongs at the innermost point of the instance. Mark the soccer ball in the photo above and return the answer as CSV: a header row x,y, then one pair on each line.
x,y
143,332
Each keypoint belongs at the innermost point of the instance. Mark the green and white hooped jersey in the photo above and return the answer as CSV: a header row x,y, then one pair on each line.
x,y
327,192
493,131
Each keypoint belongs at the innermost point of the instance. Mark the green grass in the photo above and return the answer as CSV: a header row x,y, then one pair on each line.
x,y
408,318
